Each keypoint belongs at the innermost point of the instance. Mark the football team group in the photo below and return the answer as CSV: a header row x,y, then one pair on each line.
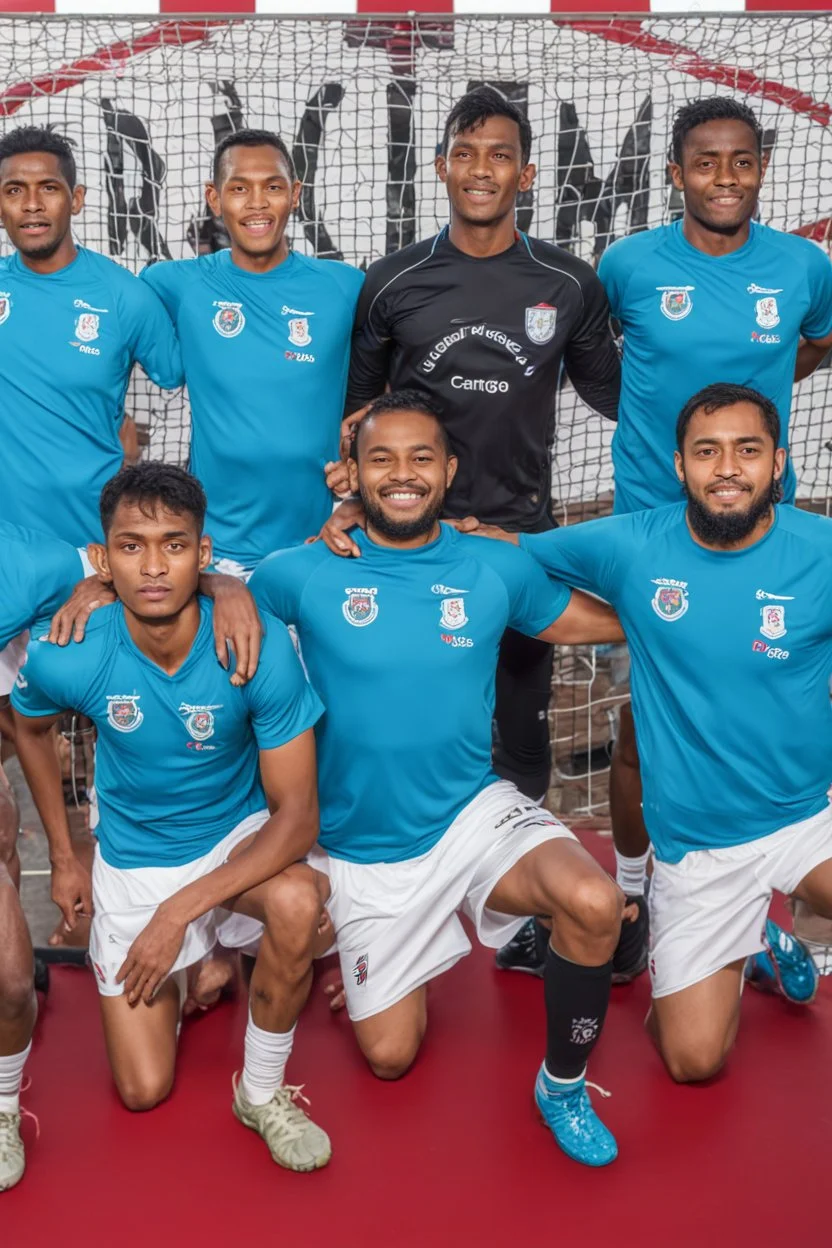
x,y
342,744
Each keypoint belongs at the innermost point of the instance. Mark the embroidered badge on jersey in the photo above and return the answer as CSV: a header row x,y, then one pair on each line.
x,y
229,320
453,613
86,326
774,621
541,322
676,302
199,720
767,313
123,712
360,607
670,601
5,306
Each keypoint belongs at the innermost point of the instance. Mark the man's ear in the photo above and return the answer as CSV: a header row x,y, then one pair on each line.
x,y
450,473
678,465
206,552
212,199
97,555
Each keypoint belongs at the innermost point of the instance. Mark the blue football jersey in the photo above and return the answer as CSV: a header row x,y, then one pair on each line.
x,y
690,319
266,358
177,764
68,342
402,646
731,653
38,573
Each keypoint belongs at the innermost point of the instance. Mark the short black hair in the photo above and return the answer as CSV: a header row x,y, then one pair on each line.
x,y
152,484
725,394
251,138
405,401
26,139
474,110
713,108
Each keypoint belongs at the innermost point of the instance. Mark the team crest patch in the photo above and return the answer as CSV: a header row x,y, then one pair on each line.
x,y
453,613
767,313
299,334
676,302
123,712
5,306
774,621
86,326
199,720
670,600
229,320
360,607
359,971
541,321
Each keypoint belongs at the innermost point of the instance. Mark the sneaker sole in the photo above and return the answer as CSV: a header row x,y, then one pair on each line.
x,y
317,1164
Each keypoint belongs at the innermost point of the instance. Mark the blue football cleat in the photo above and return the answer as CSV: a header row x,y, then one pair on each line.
x,y
786,967
573,1122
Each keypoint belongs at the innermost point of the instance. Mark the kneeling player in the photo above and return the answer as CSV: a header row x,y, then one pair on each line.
x,y
188,854
725,600
416,826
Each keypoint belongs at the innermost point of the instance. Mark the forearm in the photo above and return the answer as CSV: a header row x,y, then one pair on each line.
x,y
42,769
809,356
586,622
283,839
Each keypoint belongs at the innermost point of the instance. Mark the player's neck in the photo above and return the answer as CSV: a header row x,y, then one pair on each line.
x,y
407,543
60,259
260,263
167,643
712,242
757,534
482,241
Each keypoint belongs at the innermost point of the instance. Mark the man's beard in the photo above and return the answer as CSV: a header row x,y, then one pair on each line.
x,y
716,228
401,530
42,251
730,527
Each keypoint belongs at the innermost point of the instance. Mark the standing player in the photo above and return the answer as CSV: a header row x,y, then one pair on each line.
x,y
72,324
726,602
184,836
418,827
265,336
714,296
483,319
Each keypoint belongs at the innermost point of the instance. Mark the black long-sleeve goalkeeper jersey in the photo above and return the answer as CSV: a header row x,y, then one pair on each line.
x,y
486,338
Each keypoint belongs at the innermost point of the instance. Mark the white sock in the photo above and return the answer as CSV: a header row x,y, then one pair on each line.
x,y
564,1083
631,874
11,1074
267,1053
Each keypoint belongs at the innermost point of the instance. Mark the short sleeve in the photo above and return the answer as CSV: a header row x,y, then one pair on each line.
x,y
818,320
282,702
153,339
590,556
613,273
41,687
371,342
535,600
279,581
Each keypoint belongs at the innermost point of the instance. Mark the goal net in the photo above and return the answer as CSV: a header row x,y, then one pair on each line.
x,y
362,102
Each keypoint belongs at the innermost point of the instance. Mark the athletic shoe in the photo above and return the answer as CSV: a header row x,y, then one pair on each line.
x,y
293,1139
526,951
573,1122
787,967
633,948
12,1157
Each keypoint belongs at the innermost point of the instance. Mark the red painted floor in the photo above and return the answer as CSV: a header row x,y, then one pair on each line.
x,y
451,1155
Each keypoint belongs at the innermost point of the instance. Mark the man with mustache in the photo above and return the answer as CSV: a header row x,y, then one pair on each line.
x,y
726,602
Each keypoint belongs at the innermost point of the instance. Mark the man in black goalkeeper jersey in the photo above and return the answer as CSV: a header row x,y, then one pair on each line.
x,y
483,319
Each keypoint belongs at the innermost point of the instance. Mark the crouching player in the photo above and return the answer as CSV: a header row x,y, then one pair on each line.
x,y
188,854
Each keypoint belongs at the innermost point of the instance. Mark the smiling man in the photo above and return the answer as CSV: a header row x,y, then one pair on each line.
x,y
726,602
72,324
188,769
484,318
715,296
265,336
416,827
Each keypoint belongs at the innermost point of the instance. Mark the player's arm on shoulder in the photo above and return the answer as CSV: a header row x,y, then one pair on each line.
x,y
279,581
38,700
590,555
591,356
816,330
546,608
335,532
153,339
236,623
584,621
69,623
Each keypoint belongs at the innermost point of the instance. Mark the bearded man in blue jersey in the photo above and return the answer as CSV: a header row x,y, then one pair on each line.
x,y
265,334
726,601
188,855
416,826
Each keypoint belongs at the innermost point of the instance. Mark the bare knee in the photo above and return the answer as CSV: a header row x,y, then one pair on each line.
x,y
692,1063
391,1057
293,910
17,993
597,905
140,1092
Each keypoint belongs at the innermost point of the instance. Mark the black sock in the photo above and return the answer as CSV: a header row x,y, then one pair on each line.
x,y
576,1005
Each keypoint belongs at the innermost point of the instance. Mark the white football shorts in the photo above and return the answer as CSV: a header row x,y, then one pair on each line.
x,y
397,923
710,909
125,900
